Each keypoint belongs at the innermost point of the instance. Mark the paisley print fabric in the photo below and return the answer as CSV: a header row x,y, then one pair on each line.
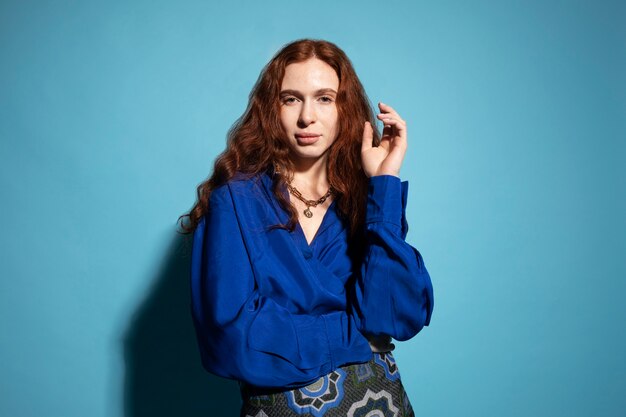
x,y
372,389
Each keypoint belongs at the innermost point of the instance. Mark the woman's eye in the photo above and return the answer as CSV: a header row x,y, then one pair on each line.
x,y
326,99
289,100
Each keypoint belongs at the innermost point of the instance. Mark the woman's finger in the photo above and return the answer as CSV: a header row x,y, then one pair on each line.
x,y
385,118
399,124
389,115
368,137
385,108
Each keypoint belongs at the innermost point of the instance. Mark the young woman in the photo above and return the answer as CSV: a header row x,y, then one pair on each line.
x,y
300,270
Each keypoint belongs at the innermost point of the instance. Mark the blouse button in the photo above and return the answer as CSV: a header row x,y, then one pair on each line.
x,y
308,253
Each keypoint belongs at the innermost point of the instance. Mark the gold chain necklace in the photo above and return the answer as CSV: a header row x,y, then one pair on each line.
x,y
309,203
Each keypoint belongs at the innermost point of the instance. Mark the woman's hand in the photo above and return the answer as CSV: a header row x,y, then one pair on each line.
x,y
386,158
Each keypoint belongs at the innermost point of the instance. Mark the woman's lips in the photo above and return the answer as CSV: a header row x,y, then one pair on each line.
x,y
307,139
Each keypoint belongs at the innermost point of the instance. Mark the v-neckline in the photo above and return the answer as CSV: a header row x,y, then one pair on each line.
x,y
305,242
298,234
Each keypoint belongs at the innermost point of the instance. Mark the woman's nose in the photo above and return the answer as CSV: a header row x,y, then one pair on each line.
x,y
307,113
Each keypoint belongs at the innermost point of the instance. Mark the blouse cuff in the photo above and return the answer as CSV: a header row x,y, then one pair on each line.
x,y
386,200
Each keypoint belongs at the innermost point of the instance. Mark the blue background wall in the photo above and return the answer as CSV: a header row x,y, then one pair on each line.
x,y
112,112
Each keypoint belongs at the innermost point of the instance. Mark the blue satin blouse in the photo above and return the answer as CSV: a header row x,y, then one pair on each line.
x,y
273,311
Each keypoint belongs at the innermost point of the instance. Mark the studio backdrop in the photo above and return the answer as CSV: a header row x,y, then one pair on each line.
x,y
111,113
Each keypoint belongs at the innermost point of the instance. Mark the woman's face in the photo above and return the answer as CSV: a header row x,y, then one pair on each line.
x,y
308,110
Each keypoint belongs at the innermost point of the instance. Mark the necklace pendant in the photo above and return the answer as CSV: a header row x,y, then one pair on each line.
x,y
307,212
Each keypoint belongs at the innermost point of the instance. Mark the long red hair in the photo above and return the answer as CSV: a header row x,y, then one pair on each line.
x,y
257,141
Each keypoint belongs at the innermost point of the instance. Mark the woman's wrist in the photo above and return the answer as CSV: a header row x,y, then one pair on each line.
x,y
392,173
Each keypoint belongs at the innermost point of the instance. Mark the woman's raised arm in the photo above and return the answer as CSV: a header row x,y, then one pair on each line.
x,y
391,292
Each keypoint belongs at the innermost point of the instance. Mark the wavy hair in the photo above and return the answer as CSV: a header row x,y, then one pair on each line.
x,y
257,142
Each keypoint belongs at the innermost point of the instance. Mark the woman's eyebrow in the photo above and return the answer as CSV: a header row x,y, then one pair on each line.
x,y
298,93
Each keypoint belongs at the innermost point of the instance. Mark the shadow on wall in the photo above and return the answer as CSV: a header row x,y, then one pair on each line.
x,y
163,372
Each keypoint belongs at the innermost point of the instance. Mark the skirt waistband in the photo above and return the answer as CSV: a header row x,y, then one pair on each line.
x,y
248,390
359,389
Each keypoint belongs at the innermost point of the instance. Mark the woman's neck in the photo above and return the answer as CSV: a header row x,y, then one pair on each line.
x,y
311,178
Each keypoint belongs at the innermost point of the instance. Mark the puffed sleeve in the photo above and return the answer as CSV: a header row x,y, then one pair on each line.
x,y
392,293
245,335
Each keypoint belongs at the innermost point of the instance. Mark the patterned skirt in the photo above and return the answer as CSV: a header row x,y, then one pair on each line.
x,y
372,389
